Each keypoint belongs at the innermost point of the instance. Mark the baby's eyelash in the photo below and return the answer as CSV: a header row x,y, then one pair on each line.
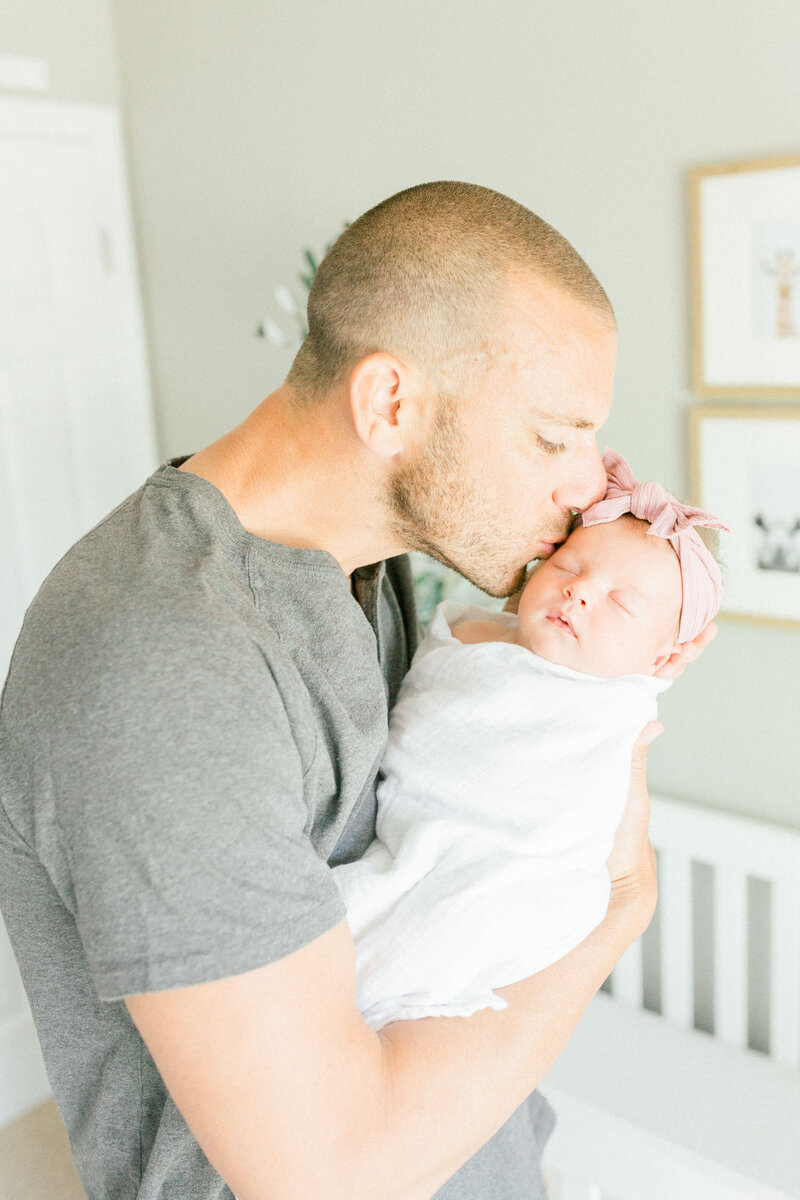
x,y
549,447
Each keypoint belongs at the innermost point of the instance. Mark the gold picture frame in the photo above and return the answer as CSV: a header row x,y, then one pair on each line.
x,y
745,468
744,224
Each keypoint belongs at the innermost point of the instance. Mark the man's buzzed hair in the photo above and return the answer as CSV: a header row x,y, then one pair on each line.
x,y
424,276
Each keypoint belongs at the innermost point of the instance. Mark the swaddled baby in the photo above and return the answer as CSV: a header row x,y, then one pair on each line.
x,y
508,760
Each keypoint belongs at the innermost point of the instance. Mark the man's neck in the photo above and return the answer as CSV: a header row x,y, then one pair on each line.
x,y
302,478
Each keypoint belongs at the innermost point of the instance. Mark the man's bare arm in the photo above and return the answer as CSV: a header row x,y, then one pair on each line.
x,y
291,1095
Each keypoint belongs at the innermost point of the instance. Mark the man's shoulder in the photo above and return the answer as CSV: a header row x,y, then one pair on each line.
x,y
127,602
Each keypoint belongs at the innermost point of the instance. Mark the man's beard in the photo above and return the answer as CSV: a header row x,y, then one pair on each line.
x,y
436,508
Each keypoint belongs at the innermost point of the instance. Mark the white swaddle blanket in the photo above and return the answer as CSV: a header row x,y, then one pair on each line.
x,y
505,777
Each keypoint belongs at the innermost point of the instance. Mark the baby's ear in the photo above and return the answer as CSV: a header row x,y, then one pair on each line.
x,y
670,663
683,653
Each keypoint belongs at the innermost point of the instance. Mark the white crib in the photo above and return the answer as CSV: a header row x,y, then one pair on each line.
x,y
676,1104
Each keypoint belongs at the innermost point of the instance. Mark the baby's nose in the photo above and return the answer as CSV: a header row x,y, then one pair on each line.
x,y
576,590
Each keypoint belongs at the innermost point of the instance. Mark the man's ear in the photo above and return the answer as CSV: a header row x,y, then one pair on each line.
x,y
378,386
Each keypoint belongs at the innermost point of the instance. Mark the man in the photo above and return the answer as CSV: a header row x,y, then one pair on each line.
x,y
196,710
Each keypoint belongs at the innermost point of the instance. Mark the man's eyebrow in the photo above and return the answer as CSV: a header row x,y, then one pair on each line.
x,y
572,422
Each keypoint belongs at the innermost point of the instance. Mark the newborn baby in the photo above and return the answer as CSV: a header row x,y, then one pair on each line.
x,y
507,766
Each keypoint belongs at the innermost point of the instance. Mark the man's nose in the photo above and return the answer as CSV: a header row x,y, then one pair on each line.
x,y
587,482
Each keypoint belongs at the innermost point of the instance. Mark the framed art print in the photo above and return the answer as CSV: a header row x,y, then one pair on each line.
x,y
745,272
746,470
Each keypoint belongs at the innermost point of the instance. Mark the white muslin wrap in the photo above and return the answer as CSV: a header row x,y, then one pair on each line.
x,y
505,777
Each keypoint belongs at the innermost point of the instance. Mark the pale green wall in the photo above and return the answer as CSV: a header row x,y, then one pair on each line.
x,y
76,40
256,128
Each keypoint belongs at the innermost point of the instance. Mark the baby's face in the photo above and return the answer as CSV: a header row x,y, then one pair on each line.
x,y
607,602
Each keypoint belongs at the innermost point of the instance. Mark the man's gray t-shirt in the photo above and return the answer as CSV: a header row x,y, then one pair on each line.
x,y
190,733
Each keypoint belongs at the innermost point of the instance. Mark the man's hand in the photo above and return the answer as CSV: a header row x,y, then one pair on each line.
x,y
689,651
632,862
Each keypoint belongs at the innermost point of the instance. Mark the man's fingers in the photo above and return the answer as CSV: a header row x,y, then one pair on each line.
x,y
707,636
651,731
644,741
637,809
632,863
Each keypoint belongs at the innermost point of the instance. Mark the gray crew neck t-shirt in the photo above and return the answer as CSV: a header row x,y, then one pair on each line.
x,y
190,733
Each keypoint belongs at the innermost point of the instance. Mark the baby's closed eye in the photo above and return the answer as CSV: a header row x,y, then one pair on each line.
x,y
623,601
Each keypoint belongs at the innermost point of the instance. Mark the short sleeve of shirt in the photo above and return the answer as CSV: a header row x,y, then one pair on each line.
x,y
177,789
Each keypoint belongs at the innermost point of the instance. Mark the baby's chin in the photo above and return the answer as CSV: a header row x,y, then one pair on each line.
x,y
549,649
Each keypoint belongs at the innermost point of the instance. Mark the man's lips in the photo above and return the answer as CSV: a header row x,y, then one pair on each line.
x,y
545,549
562,621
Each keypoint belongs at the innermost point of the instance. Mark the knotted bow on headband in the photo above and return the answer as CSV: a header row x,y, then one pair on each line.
x,y
700,576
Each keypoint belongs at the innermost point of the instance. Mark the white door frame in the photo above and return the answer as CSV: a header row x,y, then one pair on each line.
x,y
23,1081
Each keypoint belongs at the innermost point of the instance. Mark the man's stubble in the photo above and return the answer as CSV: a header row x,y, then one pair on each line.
x,y
439,505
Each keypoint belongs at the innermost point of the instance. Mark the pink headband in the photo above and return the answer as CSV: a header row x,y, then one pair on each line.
x,y
700,575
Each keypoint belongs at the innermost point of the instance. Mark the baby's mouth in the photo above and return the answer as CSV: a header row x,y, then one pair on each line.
x,y
562,622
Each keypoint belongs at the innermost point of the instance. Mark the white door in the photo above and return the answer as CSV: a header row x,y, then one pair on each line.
x,y
76,426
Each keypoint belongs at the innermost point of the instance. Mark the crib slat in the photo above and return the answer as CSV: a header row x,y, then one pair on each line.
x,y
730,955
784,1035
626,979
675,924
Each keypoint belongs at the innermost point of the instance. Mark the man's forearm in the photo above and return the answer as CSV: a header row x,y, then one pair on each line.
x,y
450,1083
291,1095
